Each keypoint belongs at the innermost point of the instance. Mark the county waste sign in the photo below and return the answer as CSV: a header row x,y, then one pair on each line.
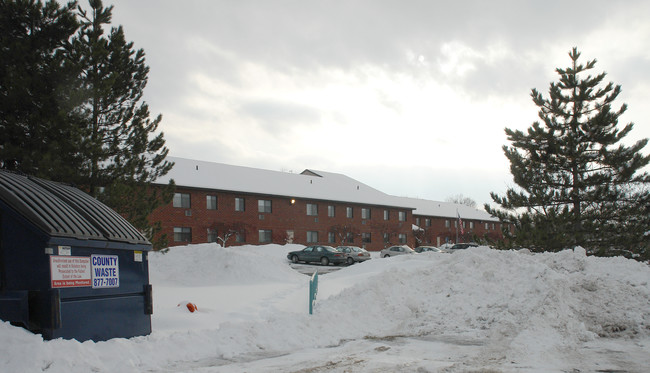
x,y
96,271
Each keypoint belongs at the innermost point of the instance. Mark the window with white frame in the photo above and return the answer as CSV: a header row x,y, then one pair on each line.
x,y
348,212
182,234
265,235
417,221
386,215
213,235
402,216
312,236
240,237
312,209
181,200
264,205
240,204
386,238
402,238
211,202
365,213
330,211
447,224
331,237
366,238
471,225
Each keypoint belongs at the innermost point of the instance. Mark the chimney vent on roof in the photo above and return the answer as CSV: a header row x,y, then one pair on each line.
x,y
357,187
197,167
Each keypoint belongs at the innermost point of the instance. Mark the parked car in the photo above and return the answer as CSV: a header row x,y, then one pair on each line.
x,y
396,250
319,254
422,249
354,254
461,246
446,246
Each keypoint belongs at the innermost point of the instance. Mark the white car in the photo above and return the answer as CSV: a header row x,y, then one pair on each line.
x,y
396,250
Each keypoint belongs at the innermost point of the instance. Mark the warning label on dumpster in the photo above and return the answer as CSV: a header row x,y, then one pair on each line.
x,y
70,271
106,271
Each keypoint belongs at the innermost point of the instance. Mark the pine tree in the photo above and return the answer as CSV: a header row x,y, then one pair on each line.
x,y
39,128
578,185
123,152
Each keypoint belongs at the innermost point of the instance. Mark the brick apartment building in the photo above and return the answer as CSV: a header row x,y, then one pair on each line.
x,y
216,202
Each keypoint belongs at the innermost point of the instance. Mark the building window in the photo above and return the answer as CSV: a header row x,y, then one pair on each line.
x,y
386,238
471,225
240,237
182,234
212,235
265,235
447,224
386,215
182,200
402,238
402,216
312,236
211,202
365,238
264,205
427,222
330,211
348,212
331,237
239,204
365,213
350,237
417,221
312,209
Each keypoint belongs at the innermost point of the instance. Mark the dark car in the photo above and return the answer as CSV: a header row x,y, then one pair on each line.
x,y
318,253
423,249
354,254
461,246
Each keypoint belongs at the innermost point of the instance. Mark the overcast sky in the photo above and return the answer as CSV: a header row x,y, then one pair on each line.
x,y
409,97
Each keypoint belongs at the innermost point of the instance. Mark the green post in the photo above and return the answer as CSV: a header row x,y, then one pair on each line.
x,y
313,290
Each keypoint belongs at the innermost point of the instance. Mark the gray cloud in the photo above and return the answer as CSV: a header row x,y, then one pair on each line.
x,y
218,40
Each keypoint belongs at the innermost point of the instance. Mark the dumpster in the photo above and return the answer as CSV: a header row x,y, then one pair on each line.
x,y
70,267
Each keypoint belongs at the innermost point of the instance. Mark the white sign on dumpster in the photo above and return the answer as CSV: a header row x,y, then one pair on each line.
x,y
105,271
69,271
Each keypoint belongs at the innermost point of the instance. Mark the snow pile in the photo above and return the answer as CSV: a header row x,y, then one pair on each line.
x,y
211,264
474,309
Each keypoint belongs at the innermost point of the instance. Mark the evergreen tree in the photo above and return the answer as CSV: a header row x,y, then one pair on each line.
x,y
578,185
123,152
70,106
39,128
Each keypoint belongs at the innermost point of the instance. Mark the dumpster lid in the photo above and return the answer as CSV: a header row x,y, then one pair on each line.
x,y
64,211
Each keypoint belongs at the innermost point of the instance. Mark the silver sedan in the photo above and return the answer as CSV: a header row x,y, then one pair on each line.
x,y
354,254
396,250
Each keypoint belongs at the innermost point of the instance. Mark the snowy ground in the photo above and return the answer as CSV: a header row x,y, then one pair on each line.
x,y
477,310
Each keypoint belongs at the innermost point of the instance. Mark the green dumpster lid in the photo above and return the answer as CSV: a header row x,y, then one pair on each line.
x,y
64,211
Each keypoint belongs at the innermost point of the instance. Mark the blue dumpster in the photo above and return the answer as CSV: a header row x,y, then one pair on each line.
x,y
70,267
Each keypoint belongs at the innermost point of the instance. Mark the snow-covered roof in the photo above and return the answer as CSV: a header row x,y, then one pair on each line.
x,y
447,209
311,184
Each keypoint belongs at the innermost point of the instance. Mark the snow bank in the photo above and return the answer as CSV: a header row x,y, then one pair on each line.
x,y
513,307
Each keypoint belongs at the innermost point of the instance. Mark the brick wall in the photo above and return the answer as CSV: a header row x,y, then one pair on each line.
x,y
288,221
